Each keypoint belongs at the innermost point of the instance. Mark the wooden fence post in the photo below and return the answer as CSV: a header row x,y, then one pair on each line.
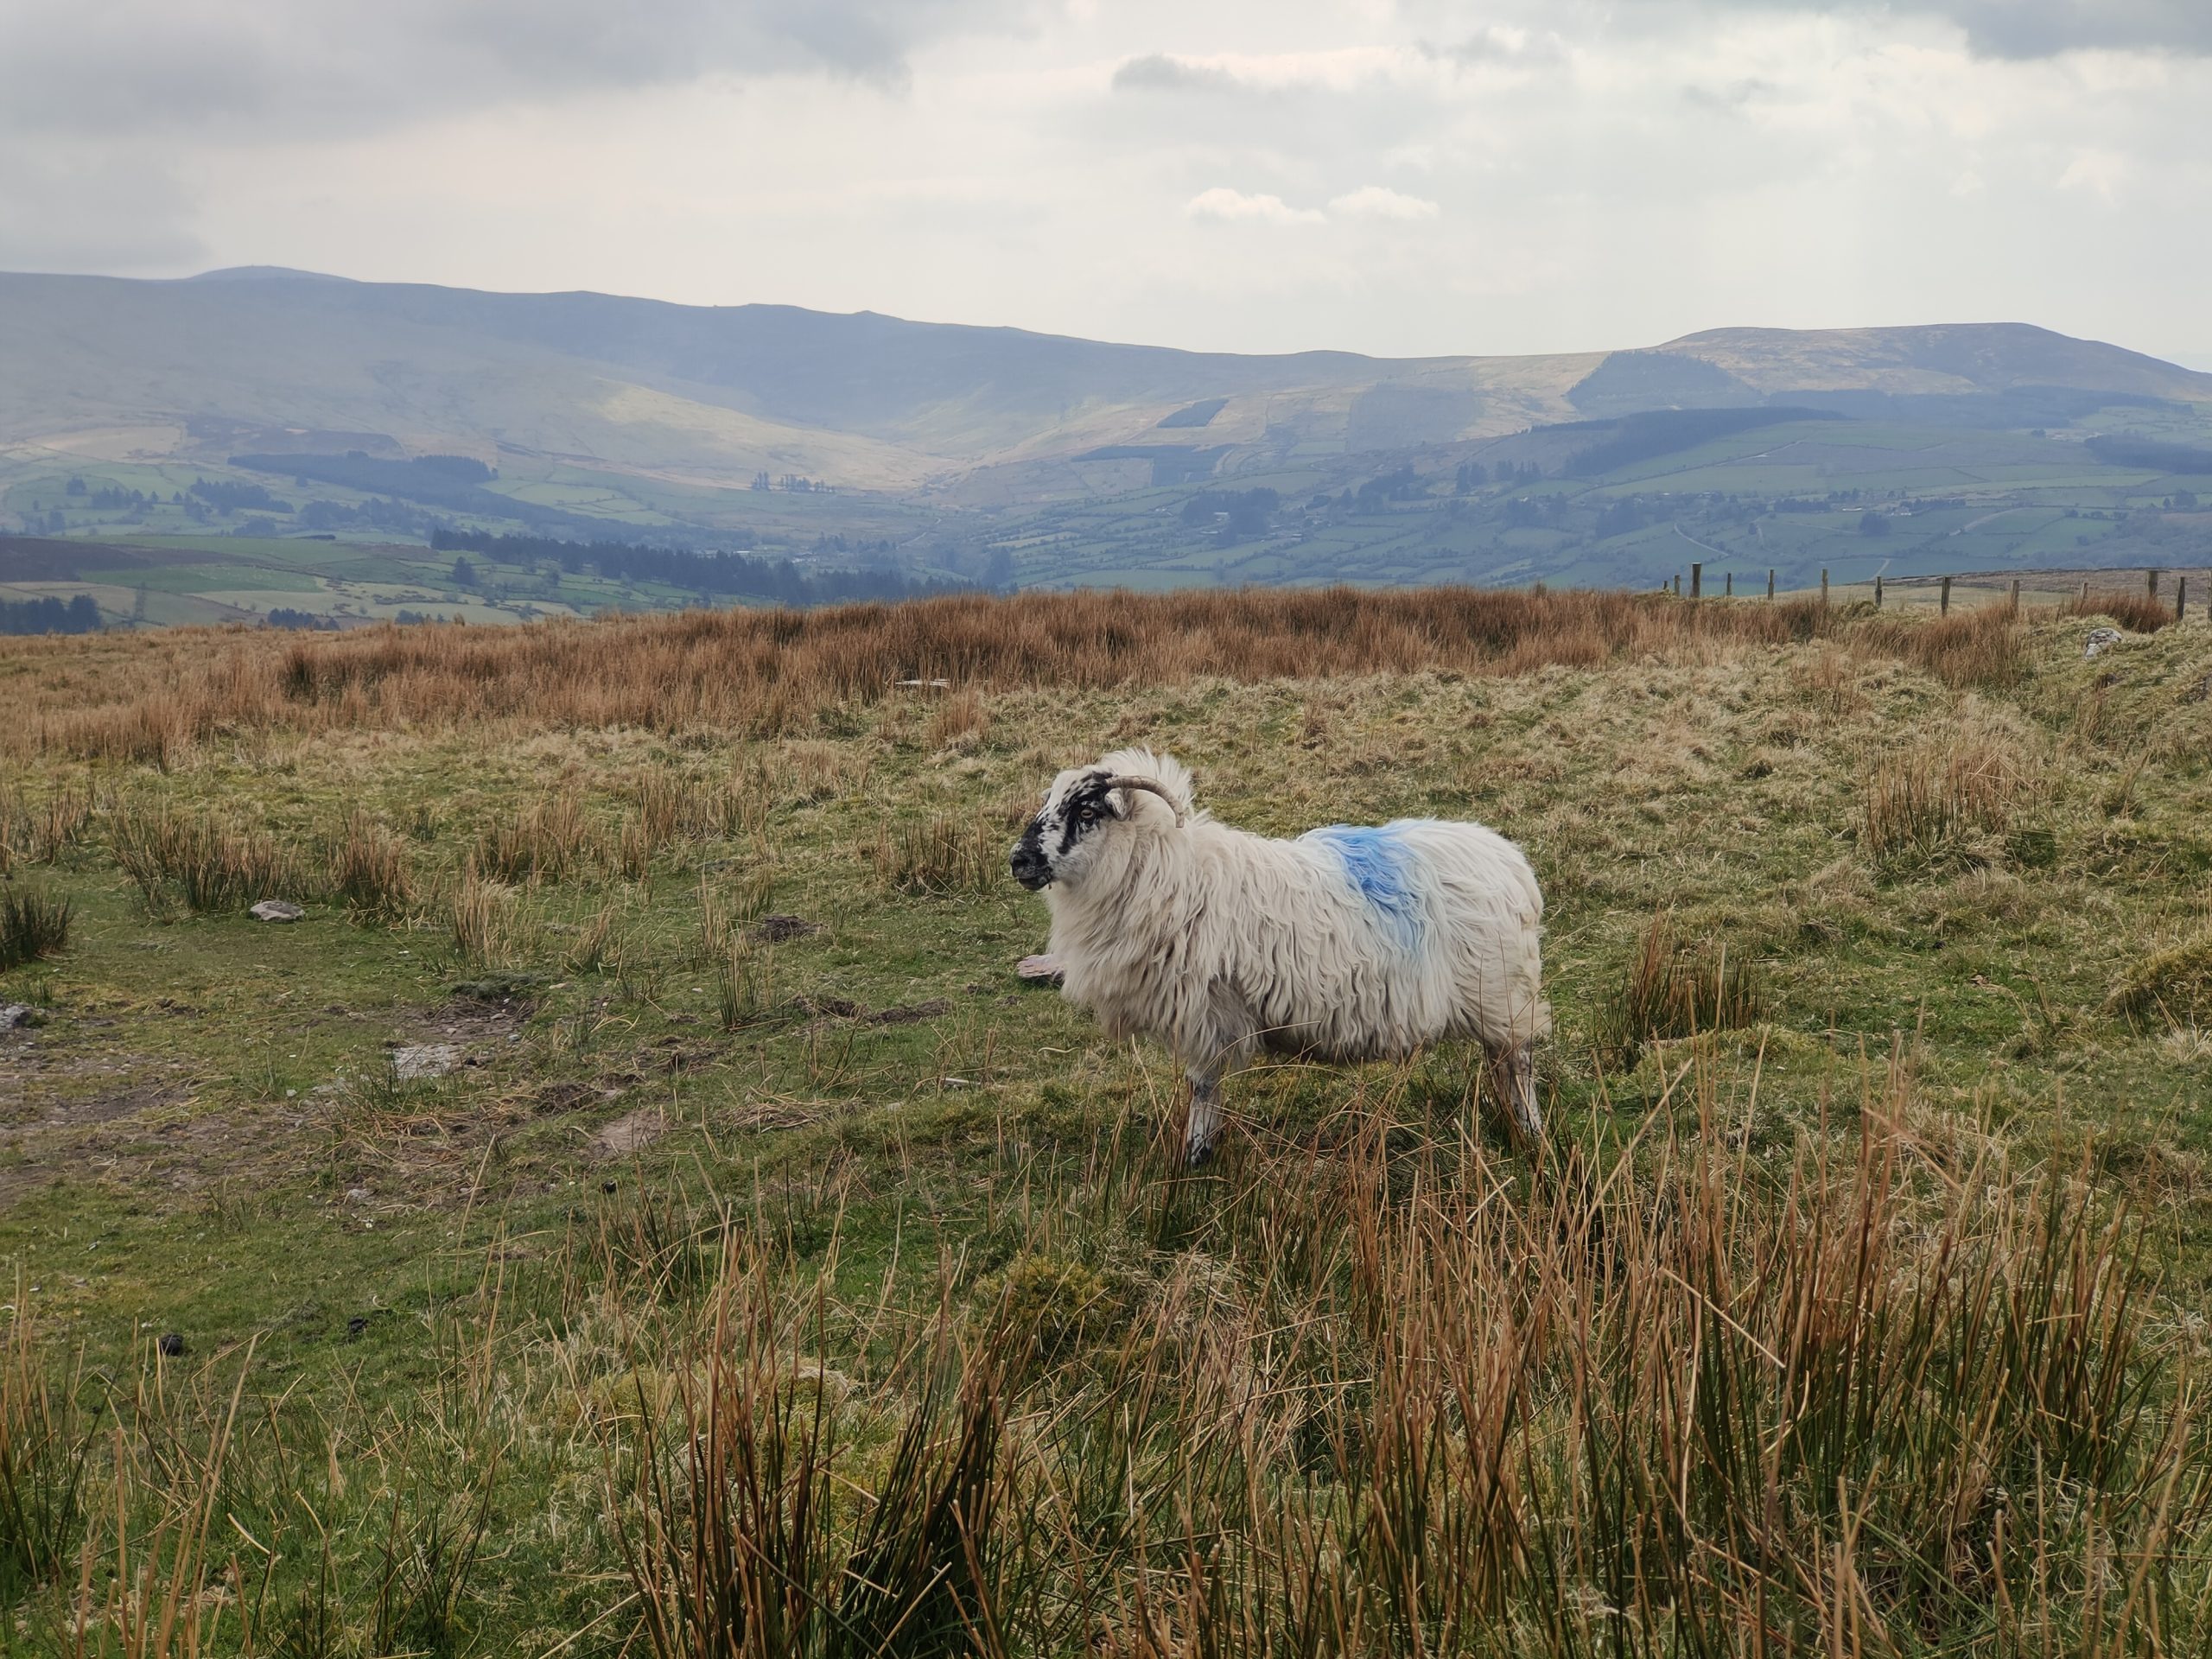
x,y
1824,588
1770,582
2150,583
1943,605
1728,585
2016,595
1697,581
1878,593
2181,599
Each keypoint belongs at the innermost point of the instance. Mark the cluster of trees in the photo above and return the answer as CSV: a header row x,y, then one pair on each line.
x,y
1239,513
794,482
50,616
710,575
226,497
285,617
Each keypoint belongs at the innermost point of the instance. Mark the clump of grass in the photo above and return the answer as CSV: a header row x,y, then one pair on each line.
x,y
2175,984
960,713
33,924
1677,987
741,1532
1939,801
46,1439
481,918
743,989
41,833
944,853
2136,612
212,865
596,942
367,867
1985,647
545,842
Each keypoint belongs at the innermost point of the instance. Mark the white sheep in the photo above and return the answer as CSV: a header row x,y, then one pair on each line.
x,y
1346,944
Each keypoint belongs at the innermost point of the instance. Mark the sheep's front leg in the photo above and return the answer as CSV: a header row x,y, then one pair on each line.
x,y
1515,1068
1204,1126
1224,1041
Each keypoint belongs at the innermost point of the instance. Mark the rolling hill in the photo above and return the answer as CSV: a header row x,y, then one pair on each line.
x,y
262,359
282,407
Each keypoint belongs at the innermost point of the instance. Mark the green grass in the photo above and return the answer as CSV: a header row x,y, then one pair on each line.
x,y
211,1141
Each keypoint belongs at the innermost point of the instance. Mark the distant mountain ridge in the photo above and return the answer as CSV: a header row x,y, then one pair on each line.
x,y
265,358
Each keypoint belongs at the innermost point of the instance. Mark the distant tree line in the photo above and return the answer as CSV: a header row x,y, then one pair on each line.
x,y
284,617
50,616
2155,457
711,575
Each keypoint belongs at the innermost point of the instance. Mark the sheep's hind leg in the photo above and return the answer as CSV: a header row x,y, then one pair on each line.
x,y
1514,1068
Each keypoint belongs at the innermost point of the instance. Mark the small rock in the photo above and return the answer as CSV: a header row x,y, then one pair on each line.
x,y
2098,641
417,1062
277,909
358,1195
171,1345
17,1013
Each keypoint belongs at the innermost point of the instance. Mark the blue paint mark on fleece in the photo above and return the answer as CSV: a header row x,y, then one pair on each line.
x,y
1376,862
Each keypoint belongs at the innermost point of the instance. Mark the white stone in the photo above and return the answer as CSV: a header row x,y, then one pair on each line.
x,y
277,909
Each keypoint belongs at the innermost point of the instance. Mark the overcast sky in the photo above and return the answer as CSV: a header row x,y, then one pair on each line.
x,y
1395,177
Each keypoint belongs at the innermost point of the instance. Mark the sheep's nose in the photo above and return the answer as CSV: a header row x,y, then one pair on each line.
x,y
1028,863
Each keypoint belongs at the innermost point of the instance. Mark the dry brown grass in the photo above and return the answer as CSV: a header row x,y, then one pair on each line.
x,y
1985,647
149,698
367,867
1940,800
2136,612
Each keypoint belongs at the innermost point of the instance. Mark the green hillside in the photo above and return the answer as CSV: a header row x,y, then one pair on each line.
x,y
294,414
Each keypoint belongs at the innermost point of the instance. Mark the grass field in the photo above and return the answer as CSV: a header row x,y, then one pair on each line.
x,y
637,1209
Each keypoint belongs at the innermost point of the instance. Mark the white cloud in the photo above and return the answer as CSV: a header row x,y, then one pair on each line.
x,y
1380,201
1233,206
2099,172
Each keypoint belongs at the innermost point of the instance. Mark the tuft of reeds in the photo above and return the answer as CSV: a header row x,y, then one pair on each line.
x,y
367,867
47,1439
546,842
212,865
1985,647
483,924
1937,800
741,1534
743,981
2136,611
33,924
943,853
1677,987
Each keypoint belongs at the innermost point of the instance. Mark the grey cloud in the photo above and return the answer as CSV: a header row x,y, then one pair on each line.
x,y
2012,29
2040,28
287,71
1159,73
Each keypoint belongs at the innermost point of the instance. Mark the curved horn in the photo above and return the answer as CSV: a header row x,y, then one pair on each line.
x,y
1151,786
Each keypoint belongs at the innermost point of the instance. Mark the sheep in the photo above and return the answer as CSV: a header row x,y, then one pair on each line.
x,y
1347,943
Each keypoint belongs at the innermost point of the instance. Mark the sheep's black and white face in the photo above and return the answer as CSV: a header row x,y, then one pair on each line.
x,y
1062,839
